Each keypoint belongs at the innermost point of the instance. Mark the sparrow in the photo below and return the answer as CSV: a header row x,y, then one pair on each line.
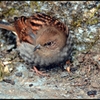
x,y
42,40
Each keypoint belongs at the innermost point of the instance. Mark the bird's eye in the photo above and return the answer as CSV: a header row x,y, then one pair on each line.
x,y
48,44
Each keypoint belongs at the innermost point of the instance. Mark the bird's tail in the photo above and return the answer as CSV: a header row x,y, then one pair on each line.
x,y
7,26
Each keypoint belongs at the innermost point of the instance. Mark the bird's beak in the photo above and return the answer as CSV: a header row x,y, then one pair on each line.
x,y
37,47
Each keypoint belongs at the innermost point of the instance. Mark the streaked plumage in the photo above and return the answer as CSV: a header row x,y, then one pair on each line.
x,y
44,40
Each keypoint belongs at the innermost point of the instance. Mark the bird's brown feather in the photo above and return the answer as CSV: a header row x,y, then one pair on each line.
x,y
46,31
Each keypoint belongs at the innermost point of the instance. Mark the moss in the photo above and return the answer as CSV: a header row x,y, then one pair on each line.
x,y
1,71
90,20
12,11
34,5
22,6
88,45
8,12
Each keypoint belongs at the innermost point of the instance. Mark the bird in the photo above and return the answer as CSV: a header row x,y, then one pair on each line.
x,y
42,40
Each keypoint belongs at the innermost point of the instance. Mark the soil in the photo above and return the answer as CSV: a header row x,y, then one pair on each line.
x,y
82,82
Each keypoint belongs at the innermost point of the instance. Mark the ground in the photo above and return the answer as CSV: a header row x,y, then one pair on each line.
x,y
83,82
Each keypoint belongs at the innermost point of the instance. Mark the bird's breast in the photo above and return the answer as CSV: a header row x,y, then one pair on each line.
x,y
47,53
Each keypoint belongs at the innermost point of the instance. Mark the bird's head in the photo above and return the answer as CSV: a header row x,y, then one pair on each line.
x,y
49,41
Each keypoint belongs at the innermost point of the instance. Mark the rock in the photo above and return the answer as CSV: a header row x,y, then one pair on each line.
x,y
95,84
